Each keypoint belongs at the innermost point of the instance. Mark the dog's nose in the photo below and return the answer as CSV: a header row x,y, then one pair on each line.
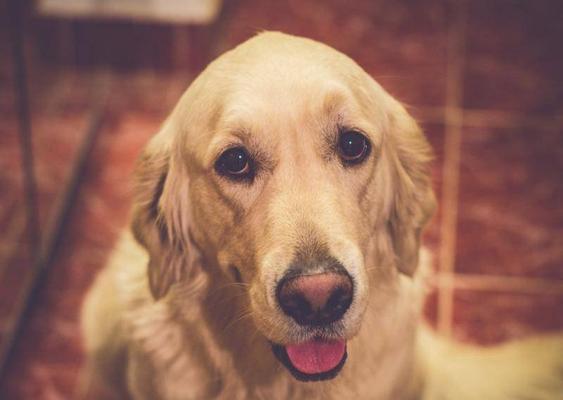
x,y
316,299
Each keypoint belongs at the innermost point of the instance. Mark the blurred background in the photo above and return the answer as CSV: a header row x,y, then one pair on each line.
x,y
85,83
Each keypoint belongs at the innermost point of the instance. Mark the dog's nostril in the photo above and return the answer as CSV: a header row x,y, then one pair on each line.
x,y
236,274
316,299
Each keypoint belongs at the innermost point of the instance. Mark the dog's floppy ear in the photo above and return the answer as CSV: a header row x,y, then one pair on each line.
x,y
414,201
161,213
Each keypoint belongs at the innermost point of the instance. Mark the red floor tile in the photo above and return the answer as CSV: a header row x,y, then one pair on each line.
x,y
12,197
513,57
493,317
49,353
510,215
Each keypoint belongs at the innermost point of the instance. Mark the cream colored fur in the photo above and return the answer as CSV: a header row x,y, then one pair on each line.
x,y
168,318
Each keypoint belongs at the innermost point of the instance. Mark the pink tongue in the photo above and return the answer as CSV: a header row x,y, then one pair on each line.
x,y
316,356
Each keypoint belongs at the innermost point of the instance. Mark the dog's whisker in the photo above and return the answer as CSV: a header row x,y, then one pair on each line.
x,y
242,284
255,334
229,286
228,300
244,315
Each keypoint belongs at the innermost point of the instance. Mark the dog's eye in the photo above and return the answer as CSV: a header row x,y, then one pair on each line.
x,y
235,163
353,147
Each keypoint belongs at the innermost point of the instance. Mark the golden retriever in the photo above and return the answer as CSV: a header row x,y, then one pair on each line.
x,y
275,249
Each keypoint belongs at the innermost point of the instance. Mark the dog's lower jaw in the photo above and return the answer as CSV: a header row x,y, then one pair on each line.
x,y
379,363
384,374
377,366
251,371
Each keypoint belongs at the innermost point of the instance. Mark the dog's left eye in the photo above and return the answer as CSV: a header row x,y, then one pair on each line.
x,y
353,147
235,163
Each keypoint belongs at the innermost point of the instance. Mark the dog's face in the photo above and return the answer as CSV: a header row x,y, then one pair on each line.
x,y
290,171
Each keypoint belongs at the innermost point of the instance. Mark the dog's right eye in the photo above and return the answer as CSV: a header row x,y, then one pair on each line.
x,y
235,163
353,147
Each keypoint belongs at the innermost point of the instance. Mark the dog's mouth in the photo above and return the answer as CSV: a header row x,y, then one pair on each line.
x,y
313,360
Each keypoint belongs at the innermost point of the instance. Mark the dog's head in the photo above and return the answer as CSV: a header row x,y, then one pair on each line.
x,y
287,168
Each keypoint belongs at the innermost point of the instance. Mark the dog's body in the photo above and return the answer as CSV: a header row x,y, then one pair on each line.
x,y
190,308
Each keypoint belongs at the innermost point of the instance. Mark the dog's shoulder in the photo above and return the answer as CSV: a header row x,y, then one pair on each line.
x,y
157,337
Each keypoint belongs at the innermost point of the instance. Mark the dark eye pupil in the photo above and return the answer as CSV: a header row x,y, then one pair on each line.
x,y
353,146
233,162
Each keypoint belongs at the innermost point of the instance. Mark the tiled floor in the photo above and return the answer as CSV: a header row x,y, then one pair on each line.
x,y
49,351
482,77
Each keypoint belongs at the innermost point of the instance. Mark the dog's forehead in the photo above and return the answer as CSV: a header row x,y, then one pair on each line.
x,y
262,106
273,68
276,85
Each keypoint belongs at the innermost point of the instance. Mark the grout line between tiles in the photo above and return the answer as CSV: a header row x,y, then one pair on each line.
x,y
512,284
504,119
492,118
450,173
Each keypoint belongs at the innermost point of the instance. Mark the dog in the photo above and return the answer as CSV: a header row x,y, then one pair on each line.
x,y
274,250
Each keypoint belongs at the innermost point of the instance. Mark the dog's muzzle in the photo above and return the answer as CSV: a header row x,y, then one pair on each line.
x,y
315,302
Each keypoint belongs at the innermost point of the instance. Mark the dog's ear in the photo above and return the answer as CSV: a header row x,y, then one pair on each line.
x,y
414,201
161,214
